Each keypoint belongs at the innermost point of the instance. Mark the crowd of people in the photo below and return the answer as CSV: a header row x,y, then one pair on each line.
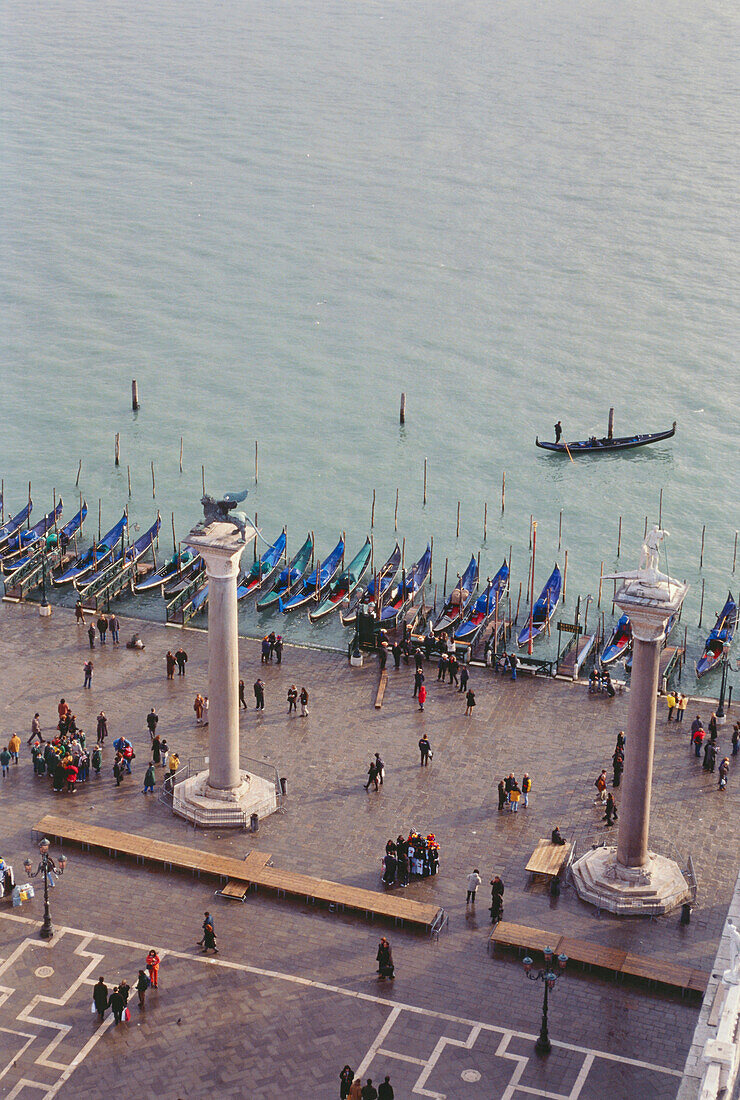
x,y
706,741
512,794
415,855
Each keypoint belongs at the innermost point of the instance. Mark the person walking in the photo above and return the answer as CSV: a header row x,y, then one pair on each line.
x,y
14,745
470,702
91,636
79,612
5,761
242,700
87,668
369,1091
442,667
474,881
259,694
513,664
712,727
617,768
149,779
182,659
96,760
384,959
611,814
418,681
736,739
152,719
152,966
497,899
292,698
670,702
102,628
100,997
170,663
380,766
724,771
117,1003
422,696
464,677
303,698
209,939
425,749
452,667
355,1092
113,626
142,984
279,649
36,729
346,1077
198,708
526,788
372,776
396,650
502,796
600,785
697,738
385,1089
207,920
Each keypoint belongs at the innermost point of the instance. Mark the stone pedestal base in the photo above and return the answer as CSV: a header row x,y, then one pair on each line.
x,y
44,610
651,890
207,807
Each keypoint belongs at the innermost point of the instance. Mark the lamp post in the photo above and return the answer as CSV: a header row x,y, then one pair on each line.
x,y
47,867
549,977
44,606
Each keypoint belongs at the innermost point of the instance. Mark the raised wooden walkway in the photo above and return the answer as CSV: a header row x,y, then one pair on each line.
x,y
253,871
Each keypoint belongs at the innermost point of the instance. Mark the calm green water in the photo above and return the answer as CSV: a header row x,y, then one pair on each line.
x,y
277,217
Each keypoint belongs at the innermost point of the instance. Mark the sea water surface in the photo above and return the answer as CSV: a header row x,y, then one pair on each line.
x,y
277,217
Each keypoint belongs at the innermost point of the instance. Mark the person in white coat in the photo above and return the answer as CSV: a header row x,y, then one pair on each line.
x,y
473,884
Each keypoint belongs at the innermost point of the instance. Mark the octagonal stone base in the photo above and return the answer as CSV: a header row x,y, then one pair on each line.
x,y
206,806
651,890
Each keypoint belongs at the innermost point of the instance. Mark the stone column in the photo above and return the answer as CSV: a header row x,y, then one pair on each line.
x,y
634,814
222,570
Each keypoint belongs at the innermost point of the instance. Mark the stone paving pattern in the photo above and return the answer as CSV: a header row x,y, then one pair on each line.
x,y
282,1039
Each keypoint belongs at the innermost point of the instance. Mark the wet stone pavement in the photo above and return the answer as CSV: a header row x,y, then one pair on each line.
x,y
293,994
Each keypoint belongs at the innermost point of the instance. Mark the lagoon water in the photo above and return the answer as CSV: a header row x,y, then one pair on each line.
x,y
279,216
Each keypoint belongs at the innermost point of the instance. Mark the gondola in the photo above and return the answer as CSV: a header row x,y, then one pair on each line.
x,y
366,597
187,574
62,540
313,586
173,567
289,577
459,599
130,554
606,445
345,584
11,526
21,542
619,643
98,555
720,637
404,593
485,607
264,569
543,610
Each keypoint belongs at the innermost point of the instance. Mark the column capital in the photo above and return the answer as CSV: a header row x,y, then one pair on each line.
x,y
221,547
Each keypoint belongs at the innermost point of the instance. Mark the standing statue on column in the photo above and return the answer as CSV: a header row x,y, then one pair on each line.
x,y
732,976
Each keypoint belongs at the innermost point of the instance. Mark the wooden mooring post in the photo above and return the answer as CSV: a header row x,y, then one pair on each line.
x,y
660,510
560,530
425,482
372,512
503,492
256,461
134,395
117,449
181,441
485,520
619,537
601,583
395,514
701,605
701,552
403,408
79,471
154,485
128,476
565,574
734,554
457,529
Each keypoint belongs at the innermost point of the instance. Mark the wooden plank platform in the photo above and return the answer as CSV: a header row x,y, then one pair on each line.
x,y
611,959
381,689
253,870
236,890
574,657
548,858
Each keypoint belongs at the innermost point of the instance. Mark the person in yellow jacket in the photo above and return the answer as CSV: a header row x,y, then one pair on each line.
x,y
670,702
526,788
681,705
514,795
14,747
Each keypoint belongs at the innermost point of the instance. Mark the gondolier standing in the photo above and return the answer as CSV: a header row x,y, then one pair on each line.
x,y
558,431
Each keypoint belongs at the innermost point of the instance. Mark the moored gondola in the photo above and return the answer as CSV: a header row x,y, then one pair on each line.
x,y
720,637
543,610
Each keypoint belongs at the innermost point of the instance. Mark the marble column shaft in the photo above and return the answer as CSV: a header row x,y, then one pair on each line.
x,y
636,786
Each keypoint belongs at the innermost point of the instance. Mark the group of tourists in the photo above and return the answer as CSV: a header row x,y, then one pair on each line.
x,y
104,624
176,660
352,1088
676,704
448,666
117,1001
512,794
600,682
707,740
272,646
406,856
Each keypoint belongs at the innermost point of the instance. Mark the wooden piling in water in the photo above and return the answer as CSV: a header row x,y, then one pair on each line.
x,y
181,454
174,538
601,582
154,486
444,585
565,575
660,510
425,482
117,449
619,537
403,553
503,492
256,461
79,471
100,517
518,600
734,554
701,552
134,395
644,533
701,605
128,475
395,514
403,408
457,529
531,518
203,479
485,520
372,512
560,530
431,557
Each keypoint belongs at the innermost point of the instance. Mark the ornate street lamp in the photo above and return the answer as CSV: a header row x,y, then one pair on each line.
x,y
47,867
549,976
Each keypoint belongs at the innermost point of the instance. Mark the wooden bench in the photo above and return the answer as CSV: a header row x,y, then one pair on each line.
x,y
236,890
609,959
251,871
548,858
381,689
